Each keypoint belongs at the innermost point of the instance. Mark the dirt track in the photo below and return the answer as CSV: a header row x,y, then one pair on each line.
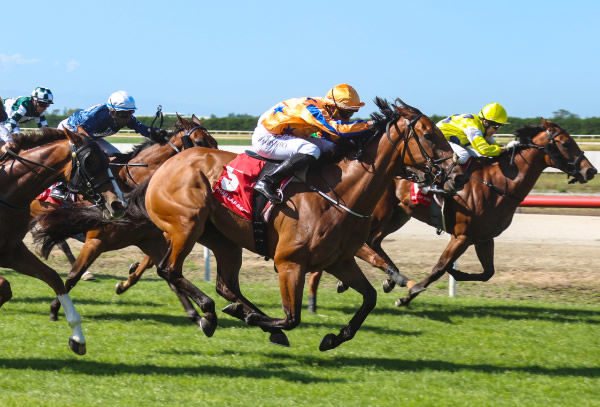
x,y
551,257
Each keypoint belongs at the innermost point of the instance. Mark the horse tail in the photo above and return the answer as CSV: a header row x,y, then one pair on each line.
x,y
55,226
136,203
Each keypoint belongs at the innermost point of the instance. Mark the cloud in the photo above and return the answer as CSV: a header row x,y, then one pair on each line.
x,y
72,65
8,61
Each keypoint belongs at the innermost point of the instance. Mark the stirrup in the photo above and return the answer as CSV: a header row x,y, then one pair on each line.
x,y
273,196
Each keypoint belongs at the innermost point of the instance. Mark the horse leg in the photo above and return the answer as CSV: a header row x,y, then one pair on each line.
x,y
5,291
25,262
349,272
135,273
485,254
313,285
229,261
67,251
455,248
181,242
92,248
375,256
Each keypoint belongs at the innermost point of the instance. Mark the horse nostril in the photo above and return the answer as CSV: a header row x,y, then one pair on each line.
x,y
590,173
118,207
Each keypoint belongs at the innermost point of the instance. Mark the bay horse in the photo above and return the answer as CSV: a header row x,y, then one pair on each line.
x,y
482,210
306,232
44,158
57,225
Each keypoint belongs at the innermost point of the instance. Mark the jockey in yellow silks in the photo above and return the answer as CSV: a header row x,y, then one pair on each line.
x,y
473,135
298,130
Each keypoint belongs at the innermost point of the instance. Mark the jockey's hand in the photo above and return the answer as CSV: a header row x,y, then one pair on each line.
x,y
8,145
511,144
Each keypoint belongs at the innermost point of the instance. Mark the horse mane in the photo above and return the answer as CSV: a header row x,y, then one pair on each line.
x,y
38,137
390,112
527,133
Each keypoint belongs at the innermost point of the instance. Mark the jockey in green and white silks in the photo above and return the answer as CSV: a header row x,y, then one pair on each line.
x,y
473,135
24,109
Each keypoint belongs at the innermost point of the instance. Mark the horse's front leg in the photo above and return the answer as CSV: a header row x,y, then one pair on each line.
x,y
88,254
455,248
377,257
485,254
25,262
313,285
350,274
136,270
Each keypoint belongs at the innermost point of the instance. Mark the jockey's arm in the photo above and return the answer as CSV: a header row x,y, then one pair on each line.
x,y
479,144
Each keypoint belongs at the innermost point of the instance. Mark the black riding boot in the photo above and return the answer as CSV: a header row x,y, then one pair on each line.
x,y
269,184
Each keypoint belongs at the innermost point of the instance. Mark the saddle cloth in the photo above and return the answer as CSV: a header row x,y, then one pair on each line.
x,y
418,197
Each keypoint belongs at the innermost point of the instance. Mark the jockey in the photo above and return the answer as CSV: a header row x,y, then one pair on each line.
x,y
298,130
21,110
472,136
3,115
104,120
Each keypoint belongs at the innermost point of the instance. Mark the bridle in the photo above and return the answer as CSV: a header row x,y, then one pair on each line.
x,y
571,168
432,172
83,180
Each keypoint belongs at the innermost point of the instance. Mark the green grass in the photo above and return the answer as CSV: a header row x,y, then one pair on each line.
x,y
143,351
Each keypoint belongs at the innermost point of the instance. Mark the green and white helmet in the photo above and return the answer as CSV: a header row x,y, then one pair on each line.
x,y
43,95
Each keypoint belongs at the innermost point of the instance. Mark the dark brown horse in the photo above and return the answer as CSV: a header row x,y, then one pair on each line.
x,y
45,158
124,233
306,232
482,210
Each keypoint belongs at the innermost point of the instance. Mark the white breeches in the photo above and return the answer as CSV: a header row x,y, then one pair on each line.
x,y
281,147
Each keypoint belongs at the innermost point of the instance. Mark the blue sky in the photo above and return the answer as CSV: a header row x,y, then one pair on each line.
x,y
222,57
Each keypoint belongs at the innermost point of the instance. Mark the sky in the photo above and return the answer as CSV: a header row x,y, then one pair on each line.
x,y
242,57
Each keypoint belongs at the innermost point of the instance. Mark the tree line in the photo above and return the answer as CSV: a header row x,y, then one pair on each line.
x,y
244,122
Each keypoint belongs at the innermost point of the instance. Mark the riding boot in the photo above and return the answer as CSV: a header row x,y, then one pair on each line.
x,y
269,184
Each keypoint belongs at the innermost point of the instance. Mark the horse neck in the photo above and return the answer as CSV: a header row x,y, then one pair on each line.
x,y
26,181
364,181
530,163
153,156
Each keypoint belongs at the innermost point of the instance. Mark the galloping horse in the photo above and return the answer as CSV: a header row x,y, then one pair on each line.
x,y
117,235
482,210
45,158
306,232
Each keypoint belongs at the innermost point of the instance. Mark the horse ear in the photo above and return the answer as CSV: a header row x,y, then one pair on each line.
x,y
75,138
179,118
196,120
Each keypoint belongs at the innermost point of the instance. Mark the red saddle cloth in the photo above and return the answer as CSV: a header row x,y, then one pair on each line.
x,y
45,197
418,197
234,189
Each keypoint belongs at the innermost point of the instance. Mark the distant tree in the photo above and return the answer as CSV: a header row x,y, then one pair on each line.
x,y
564,114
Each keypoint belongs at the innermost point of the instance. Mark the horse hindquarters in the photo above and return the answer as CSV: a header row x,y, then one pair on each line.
x,y
5,291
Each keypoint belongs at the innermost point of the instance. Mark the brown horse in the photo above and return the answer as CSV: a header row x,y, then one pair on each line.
x,y
307,232
60,224
46,157
482,210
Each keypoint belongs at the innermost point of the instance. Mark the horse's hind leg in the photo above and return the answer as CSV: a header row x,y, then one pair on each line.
x,y
455,248
5,291
25,262
349,272
229,260
64,246
377,257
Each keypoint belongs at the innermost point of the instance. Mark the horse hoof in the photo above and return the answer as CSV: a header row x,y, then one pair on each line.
x,y
235,309
53,316
388,285
78,348
328,342
341,287
119,289
208,327
279,338
402,302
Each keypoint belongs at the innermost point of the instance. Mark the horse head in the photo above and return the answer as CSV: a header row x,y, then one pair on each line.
x,y
195,134
427,155
89,174
561,150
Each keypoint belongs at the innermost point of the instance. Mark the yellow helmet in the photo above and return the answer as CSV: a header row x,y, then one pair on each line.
x,y
494,112
344,96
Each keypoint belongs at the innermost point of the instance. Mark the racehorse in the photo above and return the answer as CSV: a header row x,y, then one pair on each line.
x,y
60,224
306,232
482,210
46,157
